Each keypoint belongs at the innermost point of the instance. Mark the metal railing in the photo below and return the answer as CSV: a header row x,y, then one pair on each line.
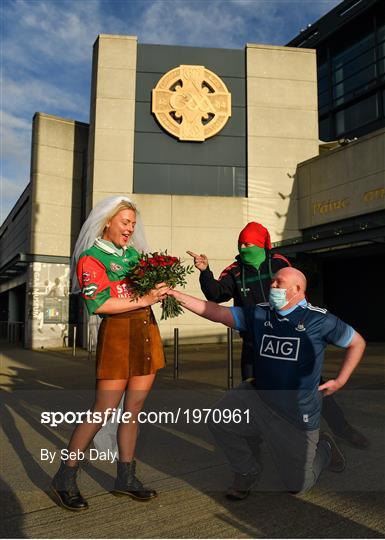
x,y
12,331
230,357
176,353
74,333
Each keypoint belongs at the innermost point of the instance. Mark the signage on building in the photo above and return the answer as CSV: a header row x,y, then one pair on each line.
x,y
49,289
191,103
359,202
55,310
324,207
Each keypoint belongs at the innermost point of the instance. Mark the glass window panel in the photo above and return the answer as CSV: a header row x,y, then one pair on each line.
x,y
323,85
323,99
346,70
352,51
381,66
324,130
322,70
381,33
356,115
381,49
352,83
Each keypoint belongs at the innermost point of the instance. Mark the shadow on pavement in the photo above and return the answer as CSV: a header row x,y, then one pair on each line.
x,y
179,459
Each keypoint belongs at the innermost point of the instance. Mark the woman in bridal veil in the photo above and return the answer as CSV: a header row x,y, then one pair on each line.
x,y
129,348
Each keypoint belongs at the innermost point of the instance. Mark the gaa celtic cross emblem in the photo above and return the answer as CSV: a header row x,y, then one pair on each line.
x,y
191,103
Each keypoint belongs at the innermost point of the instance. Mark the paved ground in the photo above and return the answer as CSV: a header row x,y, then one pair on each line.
x,y
179,460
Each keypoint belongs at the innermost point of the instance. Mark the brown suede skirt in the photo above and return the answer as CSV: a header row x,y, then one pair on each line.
x,y
129,344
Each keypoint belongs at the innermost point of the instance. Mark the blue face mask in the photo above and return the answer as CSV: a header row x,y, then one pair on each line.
x,y
277,298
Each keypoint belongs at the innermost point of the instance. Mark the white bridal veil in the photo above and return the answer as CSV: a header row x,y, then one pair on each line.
x,y
92,228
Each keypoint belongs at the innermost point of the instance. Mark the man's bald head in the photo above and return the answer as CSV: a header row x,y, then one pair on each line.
x,y
292,278
294,283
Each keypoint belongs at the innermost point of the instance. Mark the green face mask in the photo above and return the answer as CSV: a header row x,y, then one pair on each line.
x,y
253,255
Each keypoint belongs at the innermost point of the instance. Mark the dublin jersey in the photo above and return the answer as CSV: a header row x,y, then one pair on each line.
x,y
288,356
103,273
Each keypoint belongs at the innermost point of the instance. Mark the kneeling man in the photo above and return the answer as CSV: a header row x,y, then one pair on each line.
x,y
282,403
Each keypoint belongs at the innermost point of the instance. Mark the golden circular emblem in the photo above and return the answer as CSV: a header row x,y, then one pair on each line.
x,y
191,103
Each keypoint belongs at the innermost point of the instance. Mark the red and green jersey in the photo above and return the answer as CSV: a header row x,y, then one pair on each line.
x,y
104,275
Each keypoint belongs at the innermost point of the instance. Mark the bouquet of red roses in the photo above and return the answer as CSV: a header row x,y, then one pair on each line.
x,y
154,268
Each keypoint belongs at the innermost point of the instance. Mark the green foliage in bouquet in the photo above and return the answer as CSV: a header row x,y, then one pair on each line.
x,y
154,268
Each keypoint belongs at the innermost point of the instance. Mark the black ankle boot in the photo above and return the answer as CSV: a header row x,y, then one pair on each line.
x,y
66,490
126,483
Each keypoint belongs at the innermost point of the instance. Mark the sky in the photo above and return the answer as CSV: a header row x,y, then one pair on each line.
x,y
46,53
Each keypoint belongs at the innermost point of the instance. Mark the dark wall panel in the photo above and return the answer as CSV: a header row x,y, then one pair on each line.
x,y
192,180
158,148
162,58
163,164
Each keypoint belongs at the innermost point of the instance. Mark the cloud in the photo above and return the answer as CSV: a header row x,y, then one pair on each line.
x,y
58,32
11,188
214,24
15,160
46,58
29,95
231,23
10,191
12,121
16,138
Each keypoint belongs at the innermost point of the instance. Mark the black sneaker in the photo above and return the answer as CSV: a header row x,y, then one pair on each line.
x,y
338,461
242,483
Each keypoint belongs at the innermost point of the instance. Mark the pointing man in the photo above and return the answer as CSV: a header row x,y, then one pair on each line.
x,y
246,281
284,399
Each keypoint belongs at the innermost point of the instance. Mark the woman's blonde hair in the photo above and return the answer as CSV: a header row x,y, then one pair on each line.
x,y
122,205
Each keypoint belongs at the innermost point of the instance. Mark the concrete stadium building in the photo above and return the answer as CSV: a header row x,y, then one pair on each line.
x,y
244,146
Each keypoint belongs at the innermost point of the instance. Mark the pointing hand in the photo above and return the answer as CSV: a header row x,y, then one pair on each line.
x,y
200,261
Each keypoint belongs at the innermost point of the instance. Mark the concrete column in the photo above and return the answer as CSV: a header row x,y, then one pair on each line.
x,y
282,128
13,309
57,171
112,118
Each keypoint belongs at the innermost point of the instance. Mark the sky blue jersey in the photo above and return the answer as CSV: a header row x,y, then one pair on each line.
x,y
289,352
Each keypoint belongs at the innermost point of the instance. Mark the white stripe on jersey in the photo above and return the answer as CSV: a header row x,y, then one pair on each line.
x,y
315,308
263,304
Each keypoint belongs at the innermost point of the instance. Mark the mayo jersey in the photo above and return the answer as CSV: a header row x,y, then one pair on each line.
x,y
288,356
103,275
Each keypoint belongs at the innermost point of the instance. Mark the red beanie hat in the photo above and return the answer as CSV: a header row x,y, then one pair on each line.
x,y
255,233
